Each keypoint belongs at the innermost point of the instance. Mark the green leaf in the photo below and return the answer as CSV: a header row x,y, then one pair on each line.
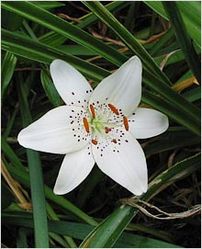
x,y
22,238
6,196
36,182
68,240
90,18
98,9
55,39
191,16
9,152
164,42
172,139
22,176
137,241
48,4
45,18
107,233
183,38
175,57
33,50
158,8
7,130
193,94
7,70
170,110
50,89
77,50
79,231
10,21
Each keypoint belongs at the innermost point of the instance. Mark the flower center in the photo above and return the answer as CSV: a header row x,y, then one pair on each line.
x,y
103,120
97,125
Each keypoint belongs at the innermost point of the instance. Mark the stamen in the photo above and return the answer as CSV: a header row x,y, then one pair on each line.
x,y
92,109
125,122
113,109
94,141
86,125
107,130
114,141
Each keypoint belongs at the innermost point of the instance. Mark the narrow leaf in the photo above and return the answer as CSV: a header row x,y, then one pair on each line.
x,y
36,182
50,89
47,19
7,70
22,176
98,9
79,231
55,39
183,38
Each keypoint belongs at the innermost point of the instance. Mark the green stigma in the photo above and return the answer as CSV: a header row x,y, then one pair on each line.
x,y
97,124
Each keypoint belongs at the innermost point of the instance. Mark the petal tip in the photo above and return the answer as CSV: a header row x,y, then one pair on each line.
x,y
20,138
140,192
58,192
136,59
55,63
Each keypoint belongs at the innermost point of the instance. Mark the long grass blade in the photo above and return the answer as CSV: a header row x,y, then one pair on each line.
x,y
98,9
36,182
166,107
32,50
7,70
80,231
22,176
191,15
47,19
183,38
55,39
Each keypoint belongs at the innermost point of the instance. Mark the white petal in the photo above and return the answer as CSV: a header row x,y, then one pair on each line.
x,y
75,168
58,131
124,162
122,88
70,84
147,123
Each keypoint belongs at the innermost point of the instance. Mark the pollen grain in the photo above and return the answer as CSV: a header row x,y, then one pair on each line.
x,y
86,125
92,109
94,141
125,122
113,109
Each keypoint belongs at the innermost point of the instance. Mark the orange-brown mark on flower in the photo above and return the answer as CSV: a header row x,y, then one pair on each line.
x,y
92,109
114,141
107,130
125,122
86,125
113,109
94,141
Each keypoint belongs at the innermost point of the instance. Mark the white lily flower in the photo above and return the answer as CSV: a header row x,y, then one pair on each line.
x,y
97,126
